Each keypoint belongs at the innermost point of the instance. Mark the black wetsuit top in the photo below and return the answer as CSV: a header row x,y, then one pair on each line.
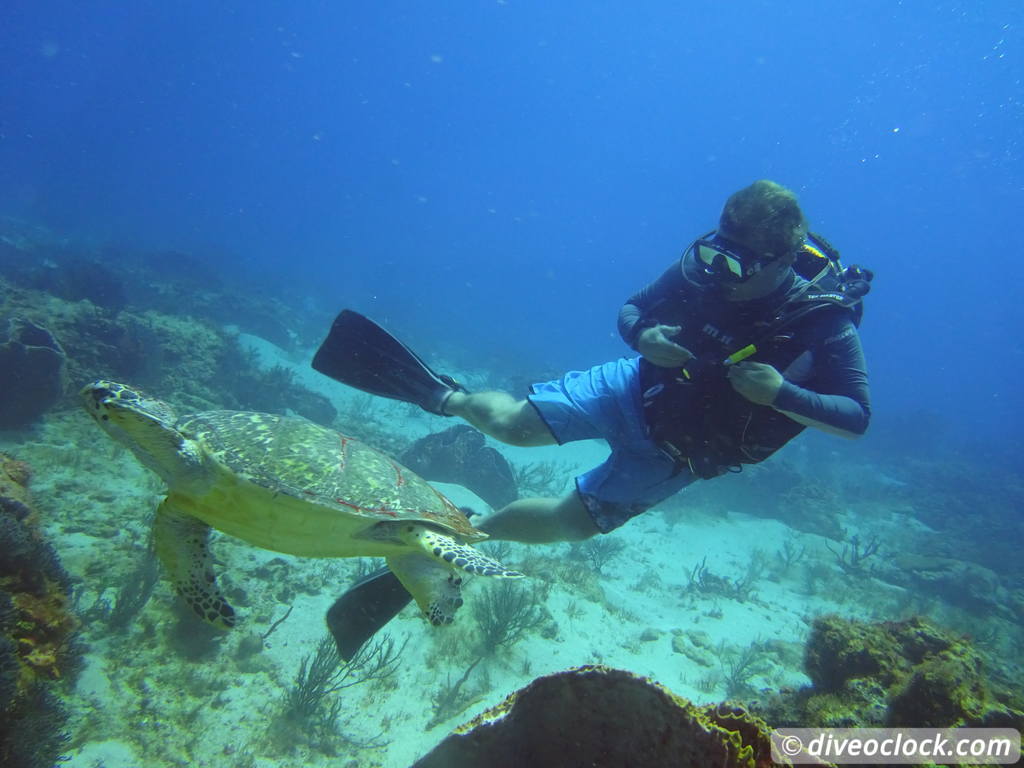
x,y
703,418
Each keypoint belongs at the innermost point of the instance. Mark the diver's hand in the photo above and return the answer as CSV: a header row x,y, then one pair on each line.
x,y
656,345
758,382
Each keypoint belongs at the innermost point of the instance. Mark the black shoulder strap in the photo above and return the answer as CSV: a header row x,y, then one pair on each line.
x,y
815,296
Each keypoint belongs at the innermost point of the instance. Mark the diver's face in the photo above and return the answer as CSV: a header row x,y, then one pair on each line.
x,y
762,282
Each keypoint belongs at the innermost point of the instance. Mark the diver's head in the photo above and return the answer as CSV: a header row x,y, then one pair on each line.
x,y
766,218
759,236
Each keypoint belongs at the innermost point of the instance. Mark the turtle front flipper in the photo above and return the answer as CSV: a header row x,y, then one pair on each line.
x,y
181,544
437,591
427,571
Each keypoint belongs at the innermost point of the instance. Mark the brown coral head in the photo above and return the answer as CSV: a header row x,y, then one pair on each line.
x,y
16,471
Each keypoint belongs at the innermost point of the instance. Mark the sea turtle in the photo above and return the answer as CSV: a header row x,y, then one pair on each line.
x,y
286,484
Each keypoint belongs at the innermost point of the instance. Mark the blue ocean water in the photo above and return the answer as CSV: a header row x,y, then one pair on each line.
x,y
504,174
493,179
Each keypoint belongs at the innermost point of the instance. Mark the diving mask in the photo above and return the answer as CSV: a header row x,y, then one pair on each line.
x,y
727,260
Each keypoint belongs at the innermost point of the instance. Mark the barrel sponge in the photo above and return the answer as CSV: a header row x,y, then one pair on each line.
x,y
602,716
33,373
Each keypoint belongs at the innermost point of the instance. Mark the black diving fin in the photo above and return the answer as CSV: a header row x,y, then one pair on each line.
x,y
360,353
365,607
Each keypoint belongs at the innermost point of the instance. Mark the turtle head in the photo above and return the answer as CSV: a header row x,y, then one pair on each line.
x,y
142,423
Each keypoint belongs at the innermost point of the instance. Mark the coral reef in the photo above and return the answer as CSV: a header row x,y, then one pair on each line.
x,y
34,258
969,586
906,673
779,490
180,354
247,387
741,589
959,498
77,277
158,320
33,373
310,708
114,277
740,666
584,583
505,612
130,597
190,359
450,698
543,478
812,507
503,615
597,552
461,455
855,554
600,716
37,648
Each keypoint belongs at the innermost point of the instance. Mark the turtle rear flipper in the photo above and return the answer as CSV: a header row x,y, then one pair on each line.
x,y
181,543
427,573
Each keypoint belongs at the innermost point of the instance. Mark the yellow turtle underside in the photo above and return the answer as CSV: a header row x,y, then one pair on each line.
x,y
293,486
287,524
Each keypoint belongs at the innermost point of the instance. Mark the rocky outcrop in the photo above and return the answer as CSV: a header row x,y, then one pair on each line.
x,y
902,673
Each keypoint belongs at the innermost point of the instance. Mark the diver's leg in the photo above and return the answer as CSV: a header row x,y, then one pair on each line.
x,y
515,422
541,521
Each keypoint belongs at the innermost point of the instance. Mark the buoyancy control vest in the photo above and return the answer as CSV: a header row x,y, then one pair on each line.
x,y
693,413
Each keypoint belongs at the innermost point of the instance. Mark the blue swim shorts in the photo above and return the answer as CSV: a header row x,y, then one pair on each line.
x,y
604,403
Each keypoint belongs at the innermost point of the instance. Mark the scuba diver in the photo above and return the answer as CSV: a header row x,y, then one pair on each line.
x,y
744,342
